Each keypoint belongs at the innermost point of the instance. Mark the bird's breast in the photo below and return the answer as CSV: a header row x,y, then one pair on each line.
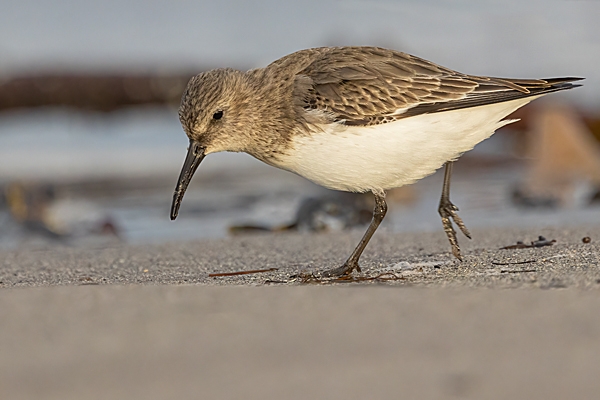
x,y
385,156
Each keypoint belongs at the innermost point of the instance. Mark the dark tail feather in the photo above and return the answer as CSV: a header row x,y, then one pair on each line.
x,y
545,85
496,90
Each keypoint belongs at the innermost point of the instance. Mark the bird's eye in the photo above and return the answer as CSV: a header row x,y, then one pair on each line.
x,y
218,114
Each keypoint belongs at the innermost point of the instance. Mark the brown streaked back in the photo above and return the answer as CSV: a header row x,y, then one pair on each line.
x,y
371,85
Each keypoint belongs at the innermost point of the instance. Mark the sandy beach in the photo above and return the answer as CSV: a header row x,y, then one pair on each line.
x,y
148,322
421,259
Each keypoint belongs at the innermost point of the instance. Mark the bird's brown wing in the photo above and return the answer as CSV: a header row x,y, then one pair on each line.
x,y
370,85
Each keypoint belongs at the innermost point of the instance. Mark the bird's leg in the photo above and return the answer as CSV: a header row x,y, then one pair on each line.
x,y
352,263
448,211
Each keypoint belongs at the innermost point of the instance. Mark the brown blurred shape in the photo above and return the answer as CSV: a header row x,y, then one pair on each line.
x,y
92,92
28,205
565,152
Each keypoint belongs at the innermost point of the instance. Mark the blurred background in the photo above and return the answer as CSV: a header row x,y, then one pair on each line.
x,y
91,146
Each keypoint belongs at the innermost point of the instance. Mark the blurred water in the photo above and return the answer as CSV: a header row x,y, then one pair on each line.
x,y
57,144
138,154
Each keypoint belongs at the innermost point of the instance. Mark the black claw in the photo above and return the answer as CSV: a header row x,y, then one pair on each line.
x,y
456,253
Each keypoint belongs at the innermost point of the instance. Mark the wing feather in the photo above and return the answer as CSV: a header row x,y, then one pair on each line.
x,y
371,85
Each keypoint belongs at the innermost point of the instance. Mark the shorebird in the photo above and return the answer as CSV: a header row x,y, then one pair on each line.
x,y
355,119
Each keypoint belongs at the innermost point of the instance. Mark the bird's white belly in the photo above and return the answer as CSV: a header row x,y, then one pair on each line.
x,y
386,156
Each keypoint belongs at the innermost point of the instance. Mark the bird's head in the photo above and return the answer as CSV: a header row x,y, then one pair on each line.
x,y
212,114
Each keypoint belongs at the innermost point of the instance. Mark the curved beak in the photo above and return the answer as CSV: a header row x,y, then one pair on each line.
x,y
194,156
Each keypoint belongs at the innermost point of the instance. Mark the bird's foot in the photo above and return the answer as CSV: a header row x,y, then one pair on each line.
x,y
344,270
448,212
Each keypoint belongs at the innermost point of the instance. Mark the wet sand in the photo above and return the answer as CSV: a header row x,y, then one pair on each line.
x,y
148,322
421,259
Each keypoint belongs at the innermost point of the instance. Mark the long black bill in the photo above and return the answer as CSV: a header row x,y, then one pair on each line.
x,y
194,156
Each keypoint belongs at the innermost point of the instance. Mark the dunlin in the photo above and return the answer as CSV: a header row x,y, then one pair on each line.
x,y
355,119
